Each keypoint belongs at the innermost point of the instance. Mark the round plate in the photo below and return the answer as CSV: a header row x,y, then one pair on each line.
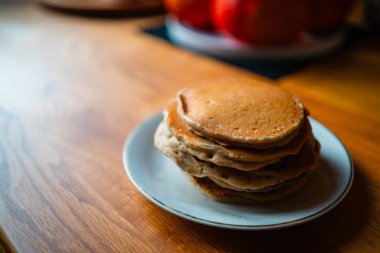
x,y
220,46
161,181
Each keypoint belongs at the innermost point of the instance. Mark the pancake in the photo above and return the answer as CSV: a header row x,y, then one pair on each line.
x,y
291,167
239,139
261,168
265,189
227,195
271,175
242,158
177,145
241,112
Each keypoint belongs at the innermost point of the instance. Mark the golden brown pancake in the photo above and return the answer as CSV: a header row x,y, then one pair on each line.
x,y
223,194
290,167
243,158
272,175
241,112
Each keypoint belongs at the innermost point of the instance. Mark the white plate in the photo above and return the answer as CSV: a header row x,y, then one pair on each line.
x,y
215,45
163,183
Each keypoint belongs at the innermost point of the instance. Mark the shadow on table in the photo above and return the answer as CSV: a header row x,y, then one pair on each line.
x,y
324,234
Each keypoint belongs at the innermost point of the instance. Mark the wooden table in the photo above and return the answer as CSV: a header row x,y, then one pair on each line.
x,y
71,90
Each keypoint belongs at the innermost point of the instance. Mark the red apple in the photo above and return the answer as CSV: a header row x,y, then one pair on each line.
x,y
260,21
195,13
325,15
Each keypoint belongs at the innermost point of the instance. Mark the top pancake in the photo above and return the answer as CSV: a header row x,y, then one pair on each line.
x,y
241,112
224,155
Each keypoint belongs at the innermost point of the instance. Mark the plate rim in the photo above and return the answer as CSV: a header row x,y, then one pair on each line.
x,y
158,116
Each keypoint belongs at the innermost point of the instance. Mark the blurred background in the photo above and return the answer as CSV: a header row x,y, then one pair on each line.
x,y
268,37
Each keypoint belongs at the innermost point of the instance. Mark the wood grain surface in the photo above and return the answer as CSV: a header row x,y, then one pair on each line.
x,y
72,88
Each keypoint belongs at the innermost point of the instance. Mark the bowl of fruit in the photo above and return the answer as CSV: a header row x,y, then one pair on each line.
x,y
268,30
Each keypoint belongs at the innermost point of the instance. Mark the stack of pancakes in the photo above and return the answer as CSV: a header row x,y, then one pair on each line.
x,y
240,139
